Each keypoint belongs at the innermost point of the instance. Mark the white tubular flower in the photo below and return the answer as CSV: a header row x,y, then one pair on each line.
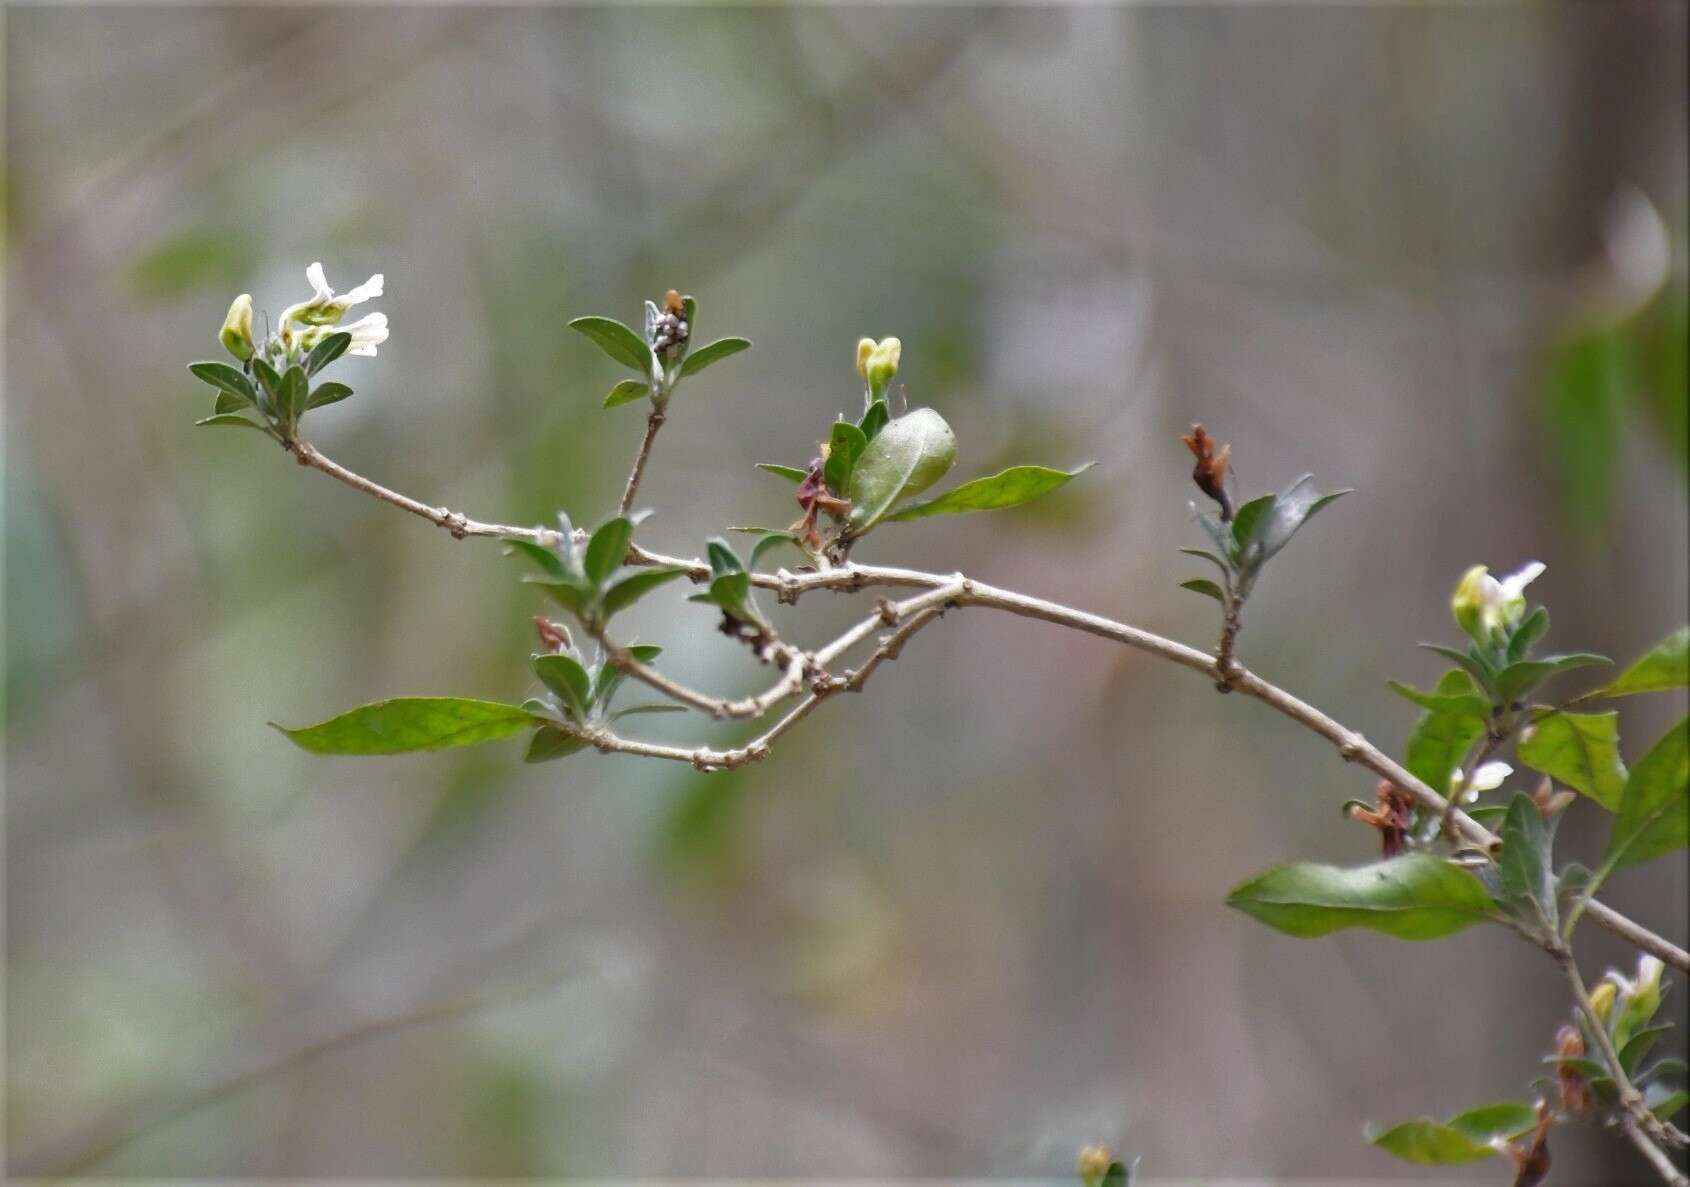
x,y
325,308
1488,777
368,332
1482,604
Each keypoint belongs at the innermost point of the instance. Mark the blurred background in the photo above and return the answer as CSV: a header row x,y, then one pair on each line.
x,y
961,925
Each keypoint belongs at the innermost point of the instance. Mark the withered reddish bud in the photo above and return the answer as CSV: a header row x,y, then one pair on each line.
x,y
1391,818
554,636
1210,472
1531,1163
1575,1092
672,302
1548,800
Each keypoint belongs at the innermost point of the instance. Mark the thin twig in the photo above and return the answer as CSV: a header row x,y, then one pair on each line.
x,y
653,423
1657,1158
850,577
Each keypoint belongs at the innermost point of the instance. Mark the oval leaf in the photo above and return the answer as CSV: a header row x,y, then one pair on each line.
x,y
909,455
1008,488
625,591
718,350
327,393
609,544
550,742
617,341
225,378
1414,897
1204,586
412,723
1428,1143
565,676
1581,750
626,392
790,473
1439,739
1654,815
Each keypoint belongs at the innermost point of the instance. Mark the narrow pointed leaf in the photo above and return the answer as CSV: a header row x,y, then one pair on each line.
x,y
329,392
1204,586
845,444
1666,666
1482,675
609,544
1414,897
1008,488
1461,704
327,351
229,418
412,723
715,352
625,591
1525,866
1527,633
226,378
1581,750
617,341
874,419
1654,815
1428,1143
790,473
1503,1119
548,561
564,675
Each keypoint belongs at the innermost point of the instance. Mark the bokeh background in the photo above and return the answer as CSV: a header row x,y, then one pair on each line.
x,y
960,925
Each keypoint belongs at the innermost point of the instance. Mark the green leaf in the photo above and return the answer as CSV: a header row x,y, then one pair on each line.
x,y
625,591
327,351
1518,679
1638,1045
845,444
770,540
617,341
1413,897
1439,740
627,392
568,594
564,675
723,559
1527,633
330,392
1666,666
606,549
267,375
790,473
290,399
610,677
229,402
1663,1101
874,419
1008,488
718,350
1525,867
638,710
909,455
1430,1144
1290,510
227,418
412,723
550,742
1248,519
226,378
1226,570
1467,703
548,561
1581,750
1654,814
1475,667
1502,1119
1205,587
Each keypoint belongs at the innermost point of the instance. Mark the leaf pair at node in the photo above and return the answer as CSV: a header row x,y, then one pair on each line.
x,y
279,398
594,583
1253,536
662,356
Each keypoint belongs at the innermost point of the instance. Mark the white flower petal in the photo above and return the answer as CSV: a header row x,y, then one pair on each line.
x,y
1491,776
1514,585
319,283
370,288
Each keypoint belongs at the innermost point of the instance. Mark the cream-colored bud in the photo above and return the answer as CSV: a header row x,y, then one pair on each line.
x,y
1093,1164
1468,603
1602,1000
237,328
883,363
865,348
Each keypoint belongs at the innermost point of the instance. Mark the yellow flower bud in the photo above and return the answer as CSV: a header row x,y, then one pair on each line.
x,y
883,363
865,348
1093,1165
237,328
1470,600
1602,1000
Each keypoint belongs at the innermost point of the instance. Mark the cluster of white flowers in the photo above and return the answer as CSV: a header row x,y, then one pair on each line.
x,y
306,323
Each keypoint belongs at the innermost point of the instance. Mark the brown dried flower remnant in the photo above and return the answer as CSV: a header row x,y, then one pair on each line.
x,y
1548,800
1210,472
1531,1163
1392,817
1575,1092
554,636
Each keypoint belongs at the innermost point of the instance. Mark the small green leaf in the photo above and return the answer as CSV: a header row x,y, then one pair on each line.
x,y
1205,587
1638,1045
564,675
1654,814
330,392
637,710
550,742
1666,666
845,444
327,351
790,473
227,418
874,419
267,375
1226,570
1439,740
1581,750
1008,488
1248,519
609,544
1467,703
1290,510
627,392
226,378
568,594
1430,1144
412,723
617,341
625,591
229,402
548,561
770,540
1524,866
715,352
909,455
290,400
1516,680
1413,897
723,559
1664,1101
610,677
1527,633
1474,666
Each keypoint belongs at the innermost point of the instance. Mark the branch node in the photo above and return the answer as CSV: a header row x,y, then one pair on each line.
x,y
1352,748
